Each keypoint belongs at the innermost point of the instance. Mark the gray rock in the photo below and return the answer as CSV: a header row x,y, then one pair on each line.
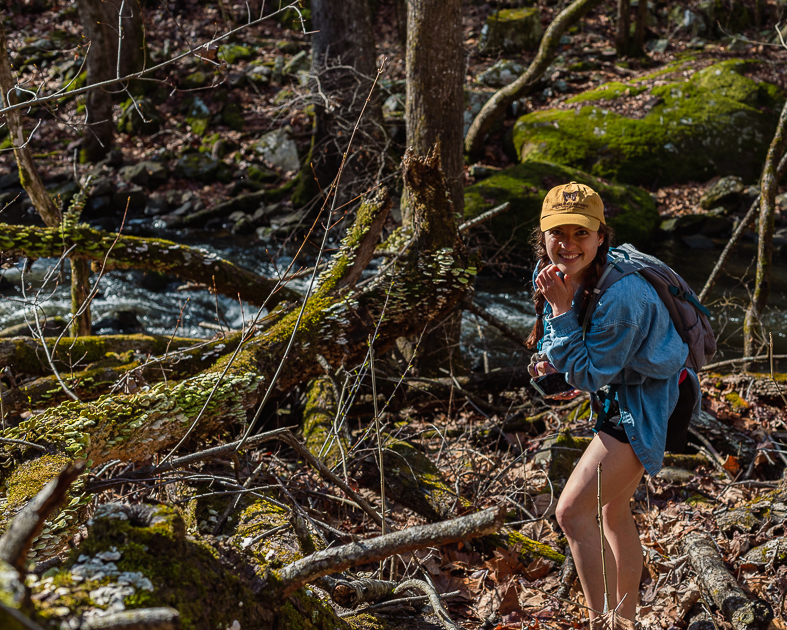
x,y
501,74
237,216
261,75
198,116
717,223
657,45
133,198
243,226
102,186
474,101
299,62
697,241
135,174
279,150
725,192
157,205
203,168
511,30
685,225
10,179
63,192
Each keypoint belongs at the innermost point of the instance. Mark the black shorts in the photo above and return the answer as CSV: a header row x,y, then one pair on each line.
x,y
677,428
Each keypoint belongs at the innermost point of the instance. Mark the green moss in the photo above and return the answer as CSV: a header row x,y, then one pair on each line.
x,y
630,211
234,52
608,91
30,477
718,121
528,548
736,403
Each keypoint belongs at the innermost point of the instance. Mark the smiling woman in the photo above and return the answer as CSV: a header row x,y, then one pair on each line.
x,y
631,360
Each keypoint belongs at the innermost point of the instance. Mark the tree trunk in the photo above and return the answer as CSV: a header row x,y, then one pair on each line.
x,y
103,21
435,86
623,25
80,290
495,107
762,288
343,59
637,48
28,173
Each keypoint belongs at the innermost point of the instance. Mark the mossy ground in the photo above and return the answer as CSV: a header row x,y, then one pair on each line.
x,y
716,122
630,211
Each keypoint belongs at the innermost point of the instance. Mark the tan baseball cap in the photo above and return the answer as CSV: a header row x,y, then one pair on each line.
x,y
572,204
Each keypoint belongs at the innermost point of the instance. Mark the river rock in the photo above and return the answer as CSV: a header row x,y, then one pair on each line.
x,y
279,150
630,210
157,205
202,168
148,174
684,225
120,322
132,124
132,198
63,192
715,122
726,192
501,74
512,31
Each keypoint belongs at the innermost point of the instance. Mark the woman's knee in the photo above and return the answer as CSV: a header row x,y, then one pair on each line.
x,y
571,516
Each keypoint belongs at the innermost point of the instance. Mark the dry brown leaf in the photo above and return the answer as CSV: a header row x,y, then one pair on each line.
x,y
611,621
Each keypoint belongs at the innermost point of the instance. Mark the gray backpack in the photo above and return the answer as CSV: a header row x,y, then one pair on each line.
x,y
691,319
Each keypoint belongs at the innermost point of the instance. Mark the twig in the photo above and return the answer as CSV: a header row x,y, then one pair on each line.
x,y
401,601
484,217
22,443
759,357
603,553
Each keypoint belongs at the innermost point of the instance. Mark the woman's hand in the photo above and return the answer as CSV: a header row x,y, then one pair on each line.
x,y
558,291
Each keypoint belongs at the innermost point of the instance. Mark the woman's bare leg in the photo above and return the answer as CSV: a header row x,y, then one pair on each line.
x,y
576,513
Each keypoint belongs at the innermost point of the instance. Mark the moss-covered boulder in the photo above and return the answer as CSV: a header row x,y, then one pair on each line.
x,y
202,168
140,119
512,30
198,116
718,121
629,210
231,53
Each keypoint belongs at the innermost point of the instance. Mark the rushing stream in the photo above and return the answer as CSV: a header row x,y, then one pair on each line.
x,y
161,308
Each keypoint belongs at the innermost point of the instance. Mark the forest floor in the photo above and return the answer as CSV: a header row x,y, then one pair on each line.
x,y
494,590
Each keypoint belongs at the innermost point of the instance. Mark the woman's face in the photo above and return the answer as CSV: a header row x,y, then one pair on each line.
x,y
572,248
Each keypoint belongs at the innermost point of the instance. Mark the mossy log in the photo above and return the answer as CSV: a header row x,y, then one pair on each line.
x,y
325,440
26,358
111,251
336,322
115,373
750,516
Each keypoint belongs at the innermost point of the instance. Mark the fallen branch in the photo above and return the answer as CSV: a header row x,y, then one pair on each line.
x,y
299,573
727,595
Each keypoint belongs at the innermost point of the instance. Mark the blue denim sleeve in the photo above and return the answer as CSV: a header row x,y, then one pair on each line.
x,y
619,326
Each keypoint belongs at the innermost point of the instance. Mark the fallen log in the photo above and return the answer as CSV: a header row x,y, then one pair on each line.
x,y
112,251
336,322
751,515
726,594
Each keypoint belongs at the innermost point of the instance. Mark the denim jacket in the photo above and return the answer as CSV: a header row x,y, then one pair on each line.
x,y
631,342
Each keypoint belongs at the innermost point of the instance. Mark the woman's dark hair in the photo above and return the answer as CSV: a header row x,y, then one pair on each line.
x,y
538,242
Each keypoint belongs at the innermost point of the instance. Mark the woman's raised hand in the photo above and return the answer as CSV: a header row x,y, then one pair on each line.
x,y
557,289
